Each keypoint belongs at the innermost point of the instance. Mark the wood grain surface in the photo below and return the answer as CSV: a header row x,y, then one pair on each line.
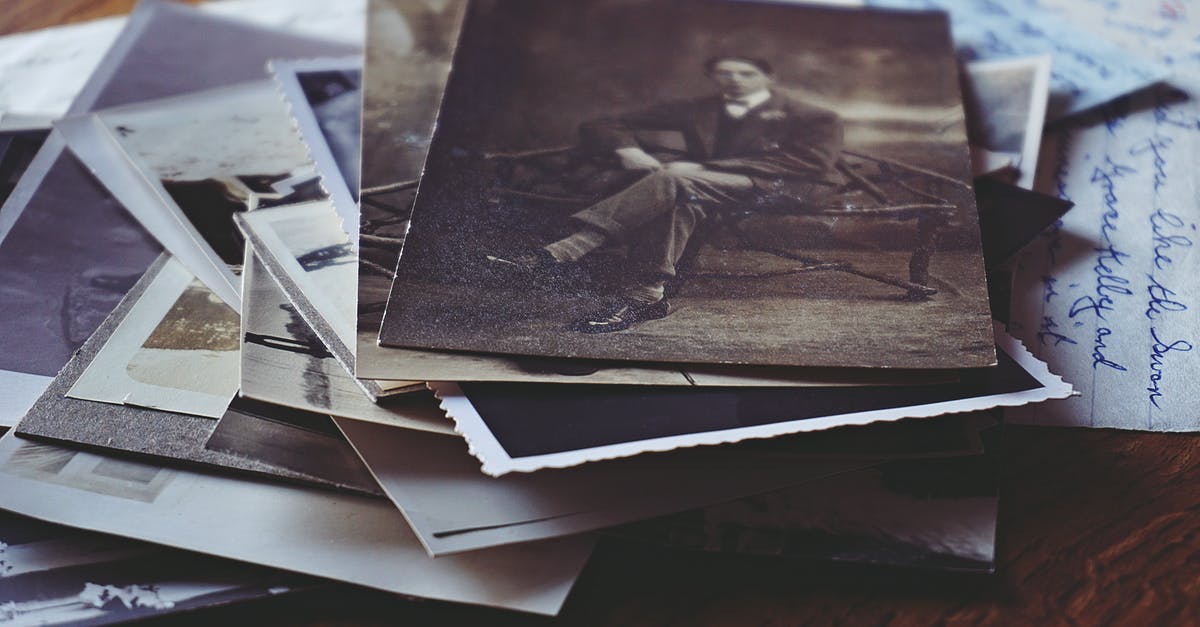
x,y
1097,527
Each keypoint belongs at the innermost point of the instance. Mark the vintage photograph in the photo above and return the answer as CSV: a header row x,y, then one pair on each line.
x,y
193,511
524,428
285,363
147,430
175,350
185,166
453,507
1006,108
407,73
219,153
410,44
325,99
68,250
55,575
709,182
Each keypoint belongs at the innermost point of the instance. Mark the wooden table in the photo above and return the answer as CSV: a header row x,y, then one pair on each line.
x,y
1096,526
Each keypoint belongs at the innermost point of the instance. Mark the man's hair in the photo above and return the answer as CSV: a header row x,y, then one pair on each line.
x,y
763,65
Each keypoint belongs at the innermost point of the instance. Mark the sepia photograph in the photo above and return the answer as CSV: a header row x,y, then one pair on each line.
x,y
700,182
409,48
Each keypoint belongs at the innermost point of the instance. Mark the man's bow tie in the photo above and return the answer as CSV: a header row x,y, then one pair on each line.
x,y
737,107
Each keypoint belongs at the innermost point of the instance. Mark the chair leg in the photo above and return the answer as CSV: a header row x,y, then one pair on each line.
x,y
916,291
929,228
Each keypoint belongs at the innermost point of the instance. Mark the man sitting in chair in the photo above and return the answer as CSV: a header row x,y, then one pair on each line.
x,y
748,144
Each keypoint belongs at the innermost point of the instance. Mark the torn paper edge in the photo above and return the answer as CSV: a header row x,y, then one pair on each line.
x,y
496,462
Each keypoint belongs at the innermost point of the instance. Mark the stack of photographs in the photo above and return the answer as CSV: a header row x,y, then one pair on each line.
x,y
432,309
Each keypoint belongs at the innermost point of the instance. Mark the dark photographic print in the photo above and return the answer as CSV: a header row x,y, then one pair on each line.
x,y
930,513
410,44
706,182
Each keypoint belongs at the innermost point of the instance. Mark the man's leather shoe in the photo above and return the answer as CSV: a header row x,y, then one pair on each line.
x,y
621,315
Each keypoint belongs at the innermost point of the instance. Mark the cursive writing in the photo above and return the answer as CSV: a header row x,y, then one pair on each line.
x,y
1158,352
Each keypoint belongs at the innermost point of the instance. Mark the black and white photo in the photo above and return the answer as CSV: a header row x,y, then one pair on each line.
x,y
705,182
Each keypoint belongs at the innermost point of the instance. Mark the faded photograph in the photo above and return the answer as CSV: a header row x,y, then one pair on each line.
x,y
218,153
109,476
325,100
72,251
1006,108
55,575
284,362
176,350
712,182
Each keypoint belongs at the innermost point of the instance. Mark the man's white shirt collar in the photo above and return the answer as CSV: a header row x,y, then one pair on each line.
x,y
738,108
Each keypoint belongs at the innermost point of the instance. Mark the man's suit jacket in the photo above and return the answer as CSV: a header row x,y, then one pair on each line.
x,y
782,144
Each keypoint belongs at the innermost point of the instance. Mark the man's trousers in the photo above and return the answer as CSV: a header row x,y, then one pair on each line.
x,y
657,215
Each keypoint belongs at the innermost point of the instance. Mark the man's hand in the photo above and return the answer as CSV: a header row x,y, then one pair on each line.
x,y
683,166
637,159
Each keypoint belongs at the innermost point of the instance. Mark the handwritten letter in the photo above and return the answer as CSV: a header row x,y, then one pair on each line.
x,y
1110,297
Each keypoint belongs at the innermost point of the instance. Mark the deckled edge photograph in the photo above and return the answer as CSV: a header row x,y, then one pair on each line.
x,y
325,100
497,461
185,165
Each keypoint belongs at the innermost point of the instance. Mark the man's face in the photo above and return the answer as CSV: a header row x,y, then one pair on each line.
x,y
738,78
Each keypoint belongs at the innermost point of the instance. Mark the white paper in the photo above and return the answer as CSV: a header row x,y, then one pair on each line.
x,y
70,53
328,534
452,507
1108,297
178,378
496,461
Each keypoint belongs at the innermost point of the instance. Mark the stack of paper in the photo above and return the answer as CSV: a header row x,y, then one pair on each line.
x,y
427,305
